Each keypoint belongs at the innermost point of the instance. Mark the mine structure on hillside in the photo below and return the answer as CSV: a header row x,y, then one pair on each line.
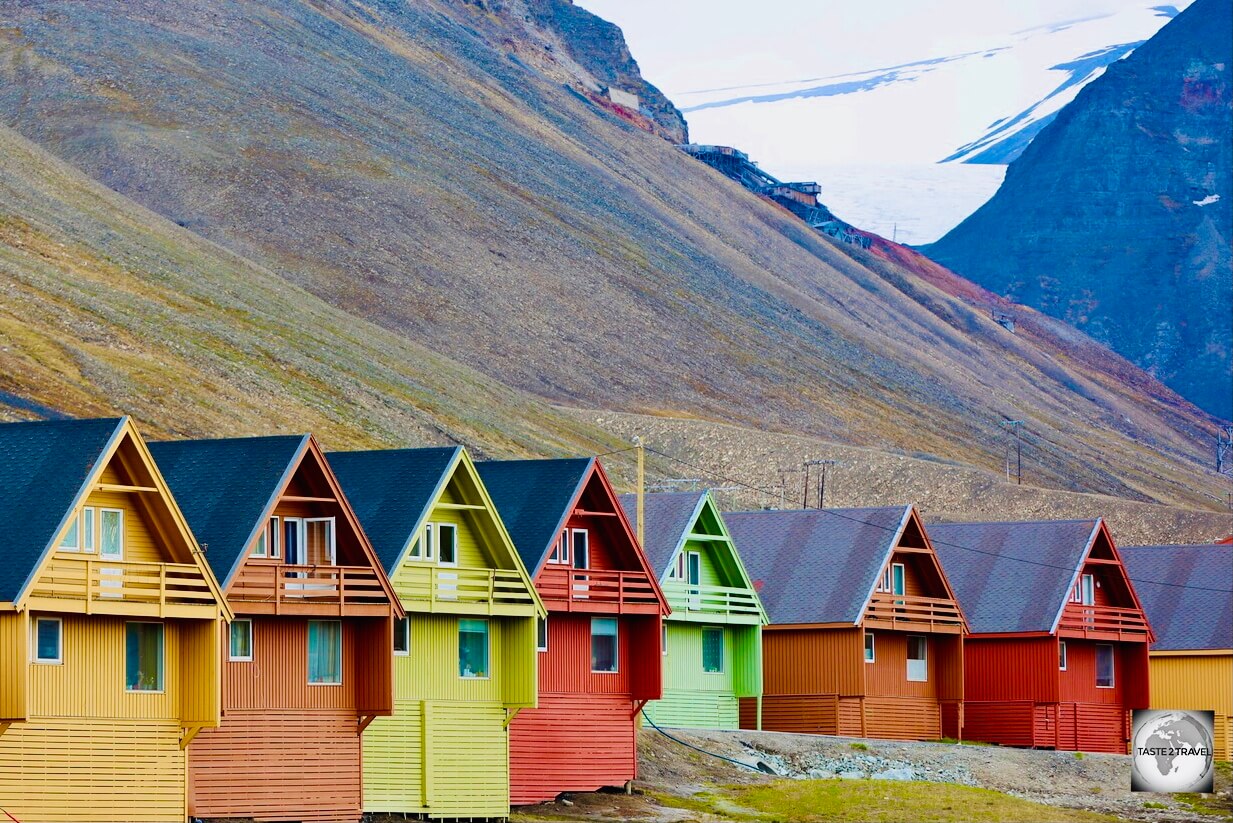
x,y
799,198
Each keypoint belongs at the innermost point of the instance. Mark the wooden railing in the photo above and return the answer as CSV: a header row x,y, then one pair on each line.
x,y
711,600
441,586
1103,621
597,590
893,609
100,583
282,586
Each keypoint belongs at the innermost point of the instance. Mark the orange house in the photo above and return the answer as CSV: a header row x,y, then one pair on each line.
x,y
866,638
307,661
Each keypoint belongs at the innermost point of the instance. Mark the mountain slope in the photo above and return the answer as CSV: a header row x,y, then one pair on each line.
x,y
402,163
1117,216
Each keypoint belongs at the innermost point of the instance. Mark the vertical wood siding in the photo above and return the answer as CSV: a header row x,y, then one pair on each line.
x,y
887,676
14,665
1078,682
1009,722
277,676
1014,669
693,698
571,742
200,667
81,770
813,661
1199,682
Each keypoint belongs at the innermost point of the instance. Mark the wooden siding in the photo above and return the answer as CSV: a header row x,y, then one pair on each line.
x,y
694,698
813,661
79,769
1011,669
1008,722
14,665
1078,682
1088,727
805,714
887,676
571,742
1200,682
277,676
278,765
902,718
684,709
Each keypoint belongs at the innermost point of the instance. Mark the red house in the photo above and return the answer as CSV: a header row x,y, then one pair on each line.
x,y
600,656
1057,654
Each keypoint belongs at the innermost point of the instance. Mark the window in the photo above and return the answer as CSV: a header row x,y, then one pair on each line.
x,y
402,637
693,571
111,533
1061,655
541,634
560,549
48,638
447,544
663,638
582,549
293,539
918,658
603,644
1084,592
143,657
319,541
1104,666
425,548
678,568
267,540
473,648
712,650
869,650
241,640
72,536
325,652
897,578
80,533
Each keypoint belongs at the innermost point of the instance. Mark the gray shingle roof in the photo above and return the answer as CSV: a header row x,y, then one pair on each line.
x,y
1020,575
1187,593
815,565
224,487
391,491
534,498
668,516
44,466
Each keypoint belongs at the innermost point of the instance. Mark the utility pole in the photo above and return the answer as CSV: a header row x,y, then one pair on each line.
x,y
821,480
1224,445
1016,426
641,507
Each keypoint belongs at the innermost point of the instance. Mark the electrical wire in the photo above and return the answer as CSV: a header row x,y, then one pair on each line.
x,y
697,748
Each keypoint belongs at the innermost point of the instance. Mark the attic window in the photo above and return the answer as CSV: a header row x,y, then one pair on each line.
x,y
560,549
581,549
267,544
79,537
892,579
1084,591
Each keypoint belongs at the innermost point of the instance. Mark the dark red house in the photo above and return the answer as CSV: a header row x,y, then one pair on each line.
x,y
1057,654
600,657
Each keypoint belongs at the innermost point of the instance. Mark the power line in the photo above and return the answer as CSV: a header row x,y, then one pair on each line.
x,y
834,513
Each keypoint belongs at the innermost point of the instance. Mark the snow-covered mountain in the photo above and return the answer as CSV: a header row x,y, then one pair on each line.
x,y
908,147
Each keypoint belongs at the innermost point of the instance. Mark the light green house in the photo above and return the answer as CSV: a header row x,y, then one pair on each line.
x,y
465,659
712,641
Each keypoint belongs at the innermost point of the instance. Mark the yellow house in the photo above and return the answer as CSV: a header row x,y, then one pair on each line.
x,y
109,628
1187,592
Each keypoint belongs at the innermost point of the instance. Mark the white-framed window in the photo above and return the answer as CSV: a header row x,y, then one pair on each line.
x,y
918,658
309,541
560,549
677,572
111,534
1104,666
447,544
893,579
580,546
605,646
869,647
241,642
48,640
268,541
1061,655
541,634
1084,591
663,638
712,650
473,654
143,657
402,637
79,536
324,652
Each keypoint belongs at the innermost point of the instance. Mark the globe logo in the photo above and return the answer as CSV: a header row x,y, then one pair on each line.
x,y
1172,751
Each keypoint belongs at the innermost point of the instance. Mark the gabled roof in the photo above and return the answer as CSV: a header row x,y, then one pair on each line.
x,y
392,492
669,517
45,469
1187,592
1013,577
534,499
227,489
817,565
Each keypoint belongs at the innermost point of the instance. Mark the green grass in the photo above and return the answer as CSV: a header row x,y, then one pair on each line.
x,y
1079,755
860,747
954,741
869,801
1151,804
1206,804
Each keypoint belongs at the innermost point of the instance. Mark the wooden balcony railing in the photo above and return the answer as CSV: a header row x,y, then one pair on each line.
x,y
445,588
711,600
117,586
274,588
1103,622
595,590
908,611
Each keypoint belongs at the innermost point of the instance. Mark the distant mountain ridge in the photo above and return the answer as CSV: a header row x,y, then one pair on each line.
x,y
1117,217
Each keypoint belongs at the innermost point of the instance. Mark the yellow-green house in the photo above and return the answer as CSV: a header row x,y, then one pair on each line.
x,y
465,655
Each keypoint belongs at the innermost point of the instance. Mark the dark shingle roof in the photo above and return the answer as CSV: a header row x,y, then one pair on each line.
x,y
533,498
391,491
668,516
1019,578
1187,593
224,488
812,565
43,469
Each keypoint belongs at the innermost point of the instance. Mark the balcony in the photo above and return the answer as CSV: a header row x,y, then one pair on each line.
x,y
913,613
426,587
1103,623
712,604
564,588
278,589
93,585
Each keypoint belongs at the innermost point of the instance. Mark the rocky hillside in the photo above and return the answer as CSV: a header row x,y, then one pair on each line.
x,y
406,172
1117,217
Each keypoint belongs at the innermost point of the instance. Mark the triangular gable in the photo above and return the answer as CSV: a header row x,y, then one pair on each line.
x,y
912,530
153,498
724,550
891,545
1100,546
